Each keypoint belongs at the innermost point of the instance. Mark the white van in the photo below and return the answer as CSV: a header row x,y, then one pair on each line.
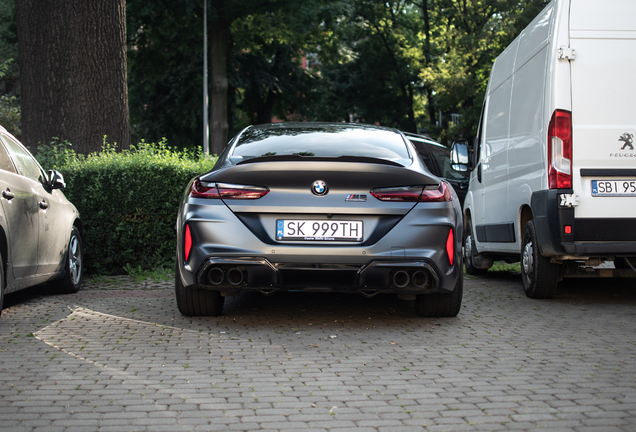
x,y
553,168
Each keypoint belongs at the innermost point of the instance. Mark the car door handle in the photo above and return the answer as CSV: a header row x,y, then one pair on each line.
x,y
7,194
43,205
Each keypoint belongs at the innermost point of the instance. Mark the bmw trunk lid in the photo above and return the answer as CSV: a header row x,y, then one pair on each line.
x,y
320,194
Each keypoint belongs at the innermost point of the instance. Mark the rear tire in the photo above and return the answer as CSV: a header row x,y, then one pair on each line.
x,y
470,250
539,276
441,305
196,302
71,282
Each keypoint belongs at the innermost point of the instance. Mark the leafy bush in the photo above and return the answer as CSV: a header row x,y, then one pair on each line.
x,y
10,114
128,200
9,106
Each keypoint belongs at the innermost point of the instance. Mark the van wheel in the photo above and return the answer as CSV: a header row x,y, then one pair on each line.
x,y
196,302
441,305
470,251
540,277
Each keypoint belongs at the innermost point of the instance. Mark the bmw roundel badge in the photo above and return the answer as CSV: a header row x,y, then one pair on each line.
x,y
319,188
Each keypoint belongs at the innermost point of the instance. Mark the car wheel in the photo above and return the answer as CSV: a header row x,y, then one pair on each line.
x,y
470,252
197,302
71,282
540,277
441,305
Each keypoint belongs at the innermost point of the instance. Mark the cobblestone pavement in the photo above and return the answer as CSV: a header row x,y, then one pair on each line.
x,y
118,356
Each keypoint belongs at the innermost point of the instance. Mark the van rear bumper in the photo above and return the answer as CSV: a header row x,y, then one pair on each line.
x,y
622,248
606,236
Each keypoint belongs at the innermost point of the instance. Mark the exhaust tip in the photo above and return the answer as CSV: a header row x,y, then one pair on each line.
x,y
235,276
401,279
216,276
420,278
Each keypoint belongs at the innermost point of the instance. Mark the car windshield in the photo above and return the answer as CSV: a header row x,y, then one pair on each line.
x,y
319,140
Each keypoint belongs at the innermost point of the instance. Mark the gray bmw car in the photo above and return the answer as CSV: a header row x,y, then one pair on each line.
x,y
319,207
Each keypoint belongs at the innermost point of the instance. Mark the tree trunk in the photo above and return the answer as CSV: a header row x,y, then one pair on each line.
x,y
218,89
73,72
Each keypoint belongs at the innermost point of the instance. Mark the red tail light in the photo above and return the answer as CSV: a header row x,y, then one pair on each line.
x,y
560,150
234,191
187,243
450,246
436,194
201,189
403,194
414,193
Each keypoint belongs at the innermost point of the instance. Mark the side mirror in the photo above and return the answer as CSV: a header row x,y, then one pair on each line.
x,y
56,180
459,156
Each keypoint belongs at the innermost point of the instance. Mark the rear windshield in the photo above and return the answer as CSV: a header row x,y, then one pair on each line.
x,y
320,141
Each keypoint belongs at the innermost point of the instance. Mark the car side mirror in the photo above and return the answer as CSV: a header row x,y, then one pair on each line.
x,y
459,156
56,180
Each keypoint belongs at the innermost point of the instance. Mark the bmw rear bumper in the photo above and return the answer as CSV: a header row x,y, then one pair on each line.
x,y
245,273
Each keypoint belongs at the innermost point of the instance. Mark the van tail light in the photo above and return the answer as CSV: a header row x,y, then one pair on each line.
x,y
560,150
414,193
450,246
200,189
187,243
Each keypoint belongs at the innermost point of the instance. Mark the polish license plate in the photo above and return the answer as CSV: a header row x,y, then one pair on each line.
x,y
614,188
319,230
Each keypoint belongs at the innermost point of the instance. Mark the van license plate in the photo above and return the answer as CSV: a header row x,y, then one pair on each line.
x,y
319,230
614,188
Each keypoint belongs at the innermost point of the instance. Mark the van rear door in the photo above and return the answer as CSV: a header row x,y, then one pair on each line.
x,y
603,35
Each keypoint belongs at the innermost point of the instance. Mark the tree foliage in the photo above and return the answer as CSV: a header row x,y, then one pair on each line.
x,y
408,64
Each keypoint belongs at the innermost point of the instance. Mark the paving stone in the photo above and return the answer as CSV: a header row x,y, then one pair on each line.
x,y
269,363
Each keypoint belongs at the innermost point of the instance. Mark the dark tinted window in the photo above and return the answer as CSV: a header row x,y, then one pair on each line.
x,y
321,140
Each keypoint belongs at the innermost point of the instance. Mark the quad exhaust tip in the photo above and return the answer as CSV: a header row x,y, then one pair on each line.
x,y
235,276
401,279
418,278
216,276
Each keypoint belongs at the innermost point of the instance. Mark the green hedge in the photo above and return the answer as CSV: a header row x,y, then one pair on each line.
x,y
128,201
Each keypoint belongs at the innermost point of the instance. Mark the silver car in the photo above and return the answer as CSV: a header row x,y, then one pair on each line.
x,y
41,232
319,207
